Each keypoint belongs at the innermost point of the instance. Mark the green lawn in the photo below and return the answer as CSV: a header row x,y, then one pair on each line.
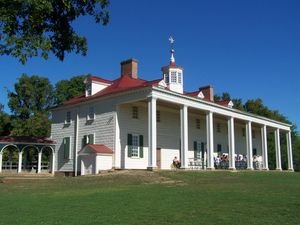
x,y
141,197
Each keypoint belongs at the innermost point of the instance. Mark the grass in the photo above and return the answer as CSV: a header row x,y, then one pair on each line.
x,y
141,197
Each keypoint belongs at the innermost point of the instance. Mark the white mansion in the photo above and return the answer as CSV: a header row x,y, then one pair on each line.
x,y
130,123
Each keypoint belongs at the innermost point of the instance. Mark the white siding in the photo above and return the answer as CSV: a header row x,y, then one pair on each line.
x,y
87,164
168,135
58,131
102,128
128,125
103,162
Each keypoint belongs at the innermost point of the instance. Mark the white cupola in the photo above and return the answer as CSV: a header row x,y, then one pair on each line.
x,y
173,74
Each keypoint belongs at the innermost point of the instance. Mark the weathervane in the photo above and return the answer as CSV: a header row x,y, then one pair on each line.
x,y
171,40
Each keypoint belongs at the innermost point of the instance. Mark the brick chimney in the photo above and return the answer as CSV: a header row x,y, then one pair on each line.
x,y
208,92
129,68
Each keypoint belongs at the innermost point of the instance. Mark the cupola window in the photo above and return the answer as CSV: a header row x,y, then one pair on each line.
x,y
179,78
173,77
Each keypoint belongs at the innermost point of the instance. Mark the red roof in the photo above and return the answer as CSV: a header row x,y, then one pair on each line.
x,y
100,149
124,83
224,102
99,79
195,94
192,94
26,139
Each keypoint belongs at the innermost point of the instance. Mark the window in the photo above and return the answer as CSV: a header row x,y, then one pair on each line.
x,y
179,78
253,134
243,132
68,118
167,78
88,89
218,127
173,77
88,139
157,116
91,114
135,112
67,147
254,151
219,149
135,146
197,123
198,150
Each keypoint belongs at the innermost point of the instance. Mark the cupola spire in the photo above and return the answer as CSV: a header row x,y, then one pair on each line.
x,y
173,74
172,51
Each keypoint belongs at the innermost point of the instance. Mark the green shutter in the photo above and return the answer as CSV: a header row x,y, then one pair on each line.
x,y
202,146
129,145
91,139
195,149
141,147
66,142
219,148
83,141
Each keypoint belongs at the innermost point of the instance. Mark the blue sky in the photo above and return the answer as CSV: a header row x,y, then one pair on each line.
x,y
249,48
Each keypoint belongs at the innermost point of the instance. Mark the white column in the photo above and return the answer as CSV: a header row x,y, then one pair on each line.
x,y
278,149
210,140
53,163
184,136
264,147
0,162
152,133
249,145
289,151
76,144
231,143
82,168
39,162
20,162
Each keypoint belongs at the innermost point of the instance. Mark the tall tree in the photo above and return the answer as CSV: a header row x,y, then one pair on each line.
x,y
30,104
4,122
31,28
67,89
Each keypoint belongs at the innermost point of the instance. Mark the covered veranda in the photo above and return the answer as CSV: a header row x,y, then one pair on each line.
x,y
27,154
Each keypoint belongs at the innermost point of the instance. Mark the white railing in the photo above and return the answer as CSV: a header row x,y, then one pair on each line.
x,y
13,165
197,164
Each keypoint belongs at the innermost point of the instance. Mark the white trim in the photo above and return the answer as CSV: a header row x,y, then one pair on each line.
x,y
200,95
162,83
20,162
289,151
210,140
76,143
249,145
264,147
184,136
231,143
215,108
277,149
152,135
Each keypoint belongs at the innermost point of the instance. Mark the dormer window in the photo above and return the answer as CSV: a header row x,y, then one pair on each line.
x,y
166,78
88,89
